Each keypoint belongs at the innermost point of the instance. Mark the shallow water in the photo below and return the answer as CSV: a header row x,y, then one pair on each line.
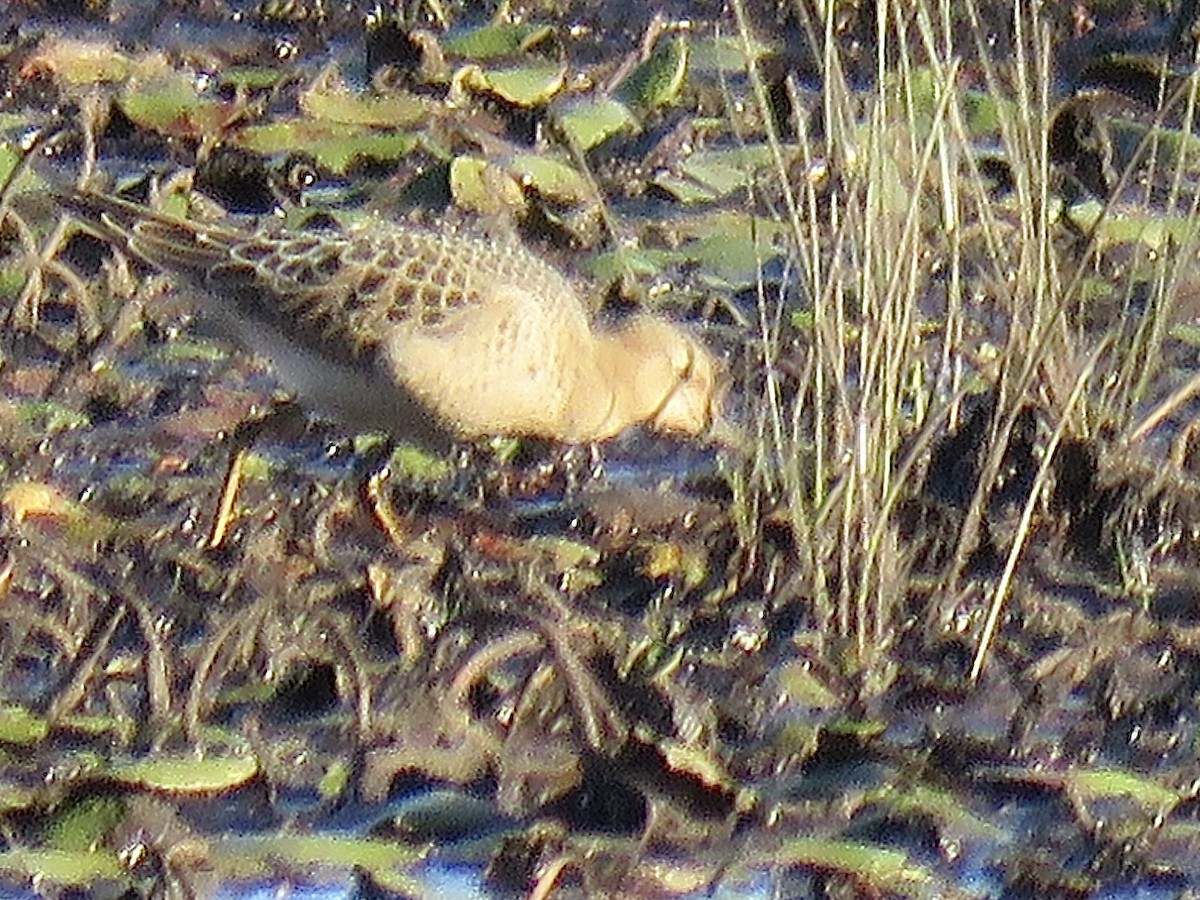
x,y
597,653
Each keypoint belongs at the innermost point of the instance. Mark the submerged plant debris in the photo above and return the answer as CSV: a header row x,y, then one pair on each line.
x,y
927,626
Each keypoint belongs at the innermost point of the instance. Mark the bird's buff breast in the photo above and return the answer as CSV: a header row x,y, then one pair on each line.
x,y
513,363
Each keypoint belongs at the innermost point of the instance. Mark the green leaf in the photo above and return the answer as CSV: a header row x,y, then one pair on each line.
x,y
335,146
332,102
496,39
591,121
528,85
19,726
172,105
885,870
189,774
551,177
61,866
1099,784
387,862
727,53
252,77
84,825
660,79
480,185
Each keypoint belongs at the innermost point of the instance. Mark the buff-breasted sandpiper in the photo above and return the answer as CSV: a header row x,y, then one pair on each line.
x,y
425,335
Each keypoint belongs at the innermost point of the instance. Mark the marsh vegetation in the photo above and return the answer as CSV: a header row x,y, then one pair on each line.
x,y
926,621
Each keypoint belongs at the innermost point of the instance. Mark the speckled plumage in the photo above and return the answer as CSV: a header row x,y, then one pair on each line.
x,y
424,334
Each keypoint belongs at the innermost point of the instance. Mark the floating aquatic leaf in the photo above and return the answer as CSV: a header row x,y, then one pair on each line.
x,y
413,463
699,763
726,249
1088,785
172,105
859,729
721,176
660,79
638,262
188,774
84,824
51,416
711,174
941,806
984,112
803,320
800,687
10,158
761,229
329,100
19,726
552,178
589,121
445,814
1187,333
252,77
883,870
14,796
730,259
333,145
529,85
335,780
496,39
184,350
61,867
727,54
797,740
670,558
524,86
685,190
480,185
387,862
1155,230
